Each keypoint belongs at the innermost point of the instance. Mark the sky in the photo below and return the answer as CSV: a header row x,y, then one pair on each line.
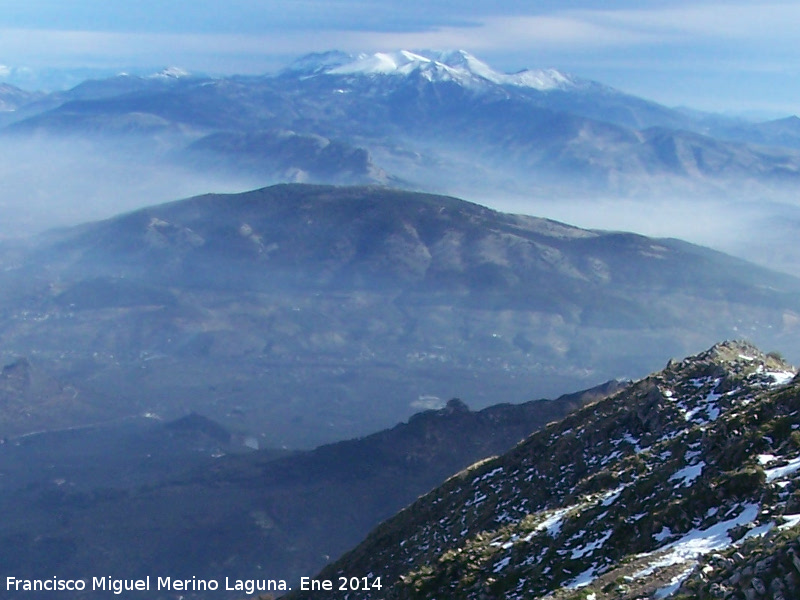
x,y
733,57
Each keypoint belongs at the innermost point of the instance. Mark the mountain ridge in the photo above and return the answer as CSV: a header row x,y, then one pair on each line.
x,y
281,510
621,499
349,287
448,65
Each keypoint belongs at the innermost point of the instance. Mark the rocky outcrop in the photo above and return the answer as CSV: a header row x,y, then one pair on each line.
x,y
623,499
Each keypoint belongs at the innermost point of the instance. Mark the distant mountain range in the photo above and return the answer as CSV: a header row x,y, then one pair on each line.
x,y
51,79
538,142
428,118
683,485
305,314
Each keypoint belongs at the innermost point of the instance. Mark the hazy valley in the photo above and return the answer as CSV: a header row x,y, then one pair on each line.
x,y
183,508
304,314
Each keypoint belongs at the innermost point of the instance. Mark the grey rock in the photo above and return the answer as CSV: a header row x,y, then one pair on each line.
x,y
758,586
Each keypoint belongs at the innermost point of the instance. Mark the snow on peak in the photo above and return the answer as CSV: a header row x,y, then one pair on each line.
x,y
171,73
547,79
449,65
402,62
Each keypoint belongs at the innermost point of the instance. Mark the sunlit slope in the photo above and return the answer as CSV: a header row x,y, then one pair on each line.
x,y
658,486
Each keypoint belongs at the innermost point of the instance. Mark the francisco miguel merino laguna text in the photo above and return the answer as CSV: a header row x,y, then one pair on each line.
x,y
118,586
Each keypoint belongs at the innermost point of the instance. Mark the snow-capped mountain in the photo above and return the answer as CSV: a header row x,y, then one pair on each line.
x,y
451,65
171,72
675,487
441,120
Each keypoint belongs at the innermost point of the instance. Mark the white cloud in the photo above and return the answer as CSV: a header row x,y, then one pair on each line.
x,y
559,30
586,29
515,33
712,21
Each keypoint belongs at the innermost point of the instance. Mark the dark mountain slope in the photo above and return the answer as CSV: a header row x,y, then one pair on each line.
x,y
318,236
621,499
288,515
287,156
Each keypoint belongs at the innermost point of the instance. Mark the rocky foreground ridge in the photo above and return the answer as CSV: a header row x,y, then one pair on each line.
x,y
685,485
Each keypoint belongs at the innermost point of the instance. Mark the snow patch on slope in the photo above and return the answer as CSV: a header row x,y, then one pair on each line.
x,y
778,472
699,542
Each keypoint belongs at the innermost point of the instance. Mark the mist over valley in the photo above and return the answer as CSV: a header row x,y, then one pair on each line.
x,y
544,143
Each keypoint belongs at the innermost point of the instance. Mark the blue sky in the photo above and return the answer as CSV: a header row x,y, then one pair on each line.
x,y
725,56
